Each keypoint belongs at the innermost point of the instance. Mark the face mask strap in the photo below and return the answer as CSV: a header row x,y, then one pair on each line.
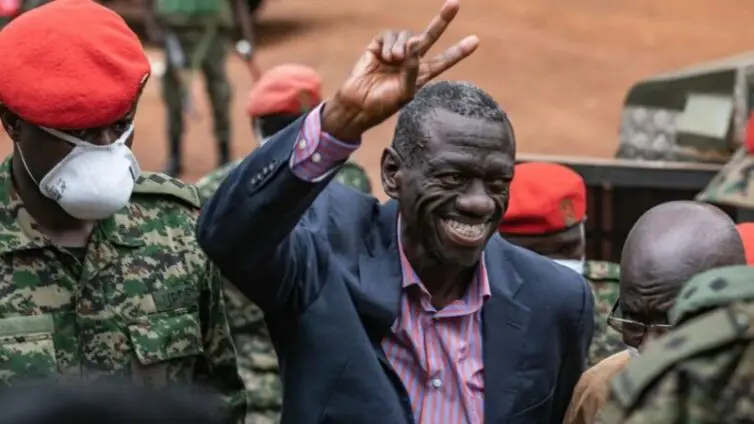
x,y
26,166
79,142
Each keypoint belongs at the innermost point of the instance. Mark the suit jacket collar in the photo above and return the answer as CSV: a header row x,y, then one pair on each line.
x,y
380,291
505,320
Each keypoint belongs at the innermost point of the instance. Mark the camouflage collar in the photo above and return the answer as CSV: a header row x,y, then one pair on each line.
x,y
19,231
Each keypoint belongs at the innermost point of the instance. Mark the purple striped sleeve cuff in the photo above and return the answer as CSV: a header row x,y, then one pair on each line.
x,y
317,154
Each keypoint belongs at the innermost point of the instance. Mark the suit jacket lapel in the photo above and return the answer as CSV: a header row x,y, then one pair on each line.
x,y
377,297
505,322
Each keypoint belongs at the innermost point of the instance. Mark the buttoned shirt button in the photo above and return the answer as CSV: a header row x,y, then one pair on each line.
x,y
316,158
436,383
302,144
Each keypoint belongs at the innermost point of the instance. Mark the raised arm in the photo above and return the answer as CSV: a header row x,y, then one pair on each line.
x,y
252,227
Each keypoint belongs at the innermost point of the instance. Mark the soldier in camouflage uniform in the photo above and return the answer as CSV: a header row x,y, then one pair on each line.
x,y
701,372
198,32
101,276
662,251
282,95
546,214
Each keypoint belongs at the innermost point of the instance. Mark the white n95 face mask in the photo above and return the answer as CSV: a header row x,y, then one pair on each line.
x,y
92,182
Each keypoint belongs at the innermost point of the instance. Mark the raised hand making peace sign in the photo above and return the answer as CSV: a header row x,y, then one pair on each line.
x,y
388,74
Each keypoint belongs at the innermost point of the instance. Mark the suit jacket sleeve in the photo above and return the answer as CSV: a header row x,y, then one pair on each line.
x,y
252,227
577,353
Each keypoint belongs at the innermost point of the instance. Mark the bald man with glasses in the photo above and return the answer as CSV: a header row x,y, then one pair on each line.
x,y
667,246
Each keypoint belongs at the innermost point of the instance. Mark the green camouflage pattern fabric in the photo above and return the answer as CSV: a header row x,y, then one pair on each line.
x,y
711,289
351,175
257,361
734,184
140,303
604,279
354,176
702,371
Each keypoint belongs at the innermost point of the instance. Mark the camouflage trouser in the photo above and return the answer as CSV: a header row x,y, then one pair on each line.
x,y
215,78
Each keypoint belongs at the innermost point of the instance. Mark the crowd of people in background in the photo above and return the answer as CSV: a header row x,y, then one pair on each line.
x,y
278,289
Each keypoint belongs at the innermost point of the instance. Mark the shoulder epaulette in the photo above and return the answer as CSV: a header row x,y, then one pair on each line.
x,y
709,331
161,184
601,271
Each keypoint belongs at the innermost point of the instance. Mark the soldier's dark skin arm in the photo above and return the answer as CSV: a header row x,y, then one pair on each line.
x,y
244,19
247,31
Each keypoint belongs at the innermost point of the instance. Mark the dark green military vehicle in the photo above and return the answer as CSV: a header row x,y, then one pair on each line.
x,y
681,133
695,114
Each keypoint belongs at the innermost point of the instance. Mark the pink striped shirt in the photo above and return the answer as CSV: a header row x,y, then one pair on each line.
x,y
436,354
317,154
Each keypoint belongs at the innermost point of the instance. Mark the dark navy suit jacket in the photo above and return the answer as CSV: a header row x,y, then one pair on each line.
x,y
322,261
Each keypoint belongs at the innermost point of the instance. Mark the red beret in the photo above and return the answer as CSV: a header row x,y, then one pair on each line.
x,y
544,198
289,89
71,64
746,230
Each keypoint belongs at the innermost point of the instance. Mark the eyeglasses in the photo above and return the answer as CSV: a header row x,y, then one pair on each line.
x,y
633,331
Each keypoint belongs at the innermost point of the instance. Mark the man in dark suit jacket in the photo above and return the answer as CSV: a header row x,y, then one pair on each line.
x,y
414,311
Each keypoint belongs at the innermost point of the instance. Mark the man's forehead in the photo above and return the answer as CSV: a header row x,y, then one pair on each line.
x,y
445,127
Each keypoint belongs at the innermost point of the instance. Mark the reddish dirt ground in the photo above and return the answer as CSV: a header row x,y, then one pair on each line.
x,y
559,68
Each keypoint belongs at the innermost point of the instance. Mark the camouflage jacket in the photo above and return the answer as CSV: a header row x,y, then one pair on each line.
x,y
604,278
701,372
351,175
734,184
141,302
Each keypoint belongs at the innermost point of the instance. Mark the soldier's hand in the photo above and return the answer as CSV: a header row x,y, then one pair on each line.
x,y
389,73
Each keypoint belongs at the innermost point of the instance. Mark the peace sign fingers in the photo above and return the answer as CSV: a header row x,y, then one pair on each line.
x,y
430,68
437,26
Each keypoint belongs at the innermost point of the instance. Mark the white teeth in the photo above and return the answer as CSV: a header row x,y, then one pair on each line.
x,y
465,230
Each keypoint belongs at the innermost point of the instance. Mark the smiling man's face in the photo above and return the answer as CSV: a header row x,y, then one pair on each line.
x,y
452,199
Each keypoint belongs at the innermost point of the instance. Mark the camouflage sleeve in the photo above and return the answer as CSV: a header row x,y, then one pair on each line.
x,y
220,370
659,405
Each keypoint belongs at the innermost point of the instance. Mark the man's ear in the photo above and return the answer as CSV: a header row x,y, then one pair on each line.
x,y
11,123
390,172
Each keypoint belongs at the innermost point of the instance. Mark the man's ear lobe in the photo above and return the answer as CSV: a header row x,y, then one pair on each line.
x,y
390,172
11,122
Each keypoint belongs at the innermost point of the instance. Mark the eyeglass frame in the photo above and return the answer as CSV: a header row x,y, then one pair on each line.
x,y
645,328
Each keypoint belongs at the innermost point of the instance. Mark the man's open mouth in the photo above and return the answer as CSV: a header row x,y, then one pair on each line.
x,y
465,234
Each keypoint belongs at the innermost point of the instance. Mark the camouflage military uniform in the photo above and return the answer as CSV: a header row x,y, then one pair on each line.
x,y
204,39
734,184
141,302
603,277
702,372
351,175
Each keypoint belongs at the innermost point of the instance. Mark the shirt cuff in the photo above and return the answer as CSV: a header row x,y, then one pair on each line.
x,y
318,154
